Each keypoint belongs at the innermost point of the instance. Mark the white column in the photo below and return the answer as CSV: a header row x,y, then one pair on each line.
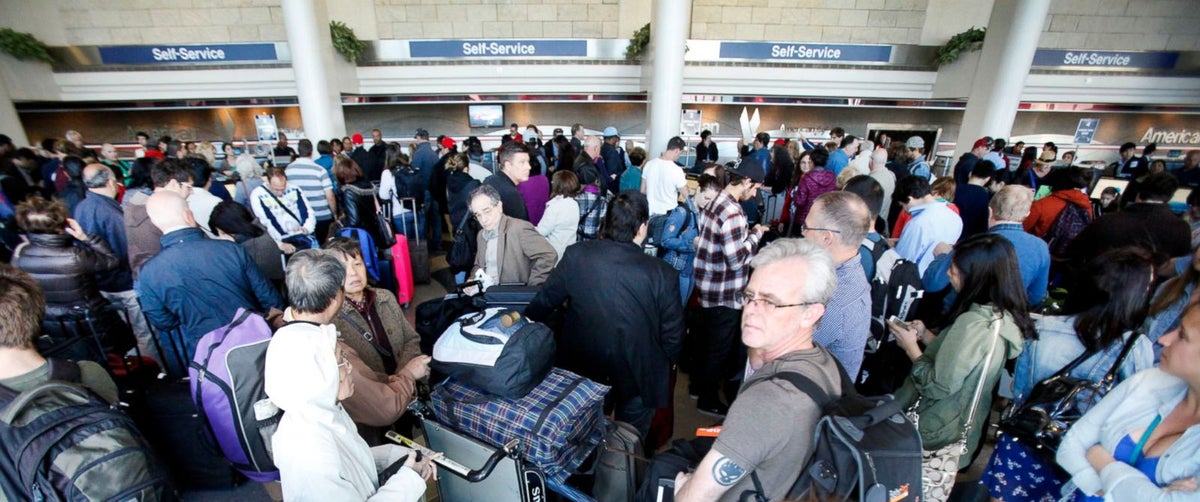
x,y
10,122
1012,38
307,24
669,30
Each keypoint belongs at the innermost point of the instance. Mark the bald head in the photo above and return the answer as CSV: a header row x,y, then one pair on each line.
x,y
169,211
878,159
99,179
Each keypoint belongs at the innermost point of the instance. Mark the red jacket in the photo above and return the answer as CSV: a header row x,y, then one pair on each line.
x,y
1045,210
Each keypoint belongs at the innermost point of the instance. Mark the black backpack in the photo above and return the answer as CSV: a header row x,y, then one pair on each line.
x,y
63,442
896,290
864,448
1068,224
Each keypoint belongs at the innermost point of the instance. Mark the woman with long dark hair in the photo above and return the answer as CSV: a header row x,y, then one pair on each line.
x,y
75,190
990,318
1098,318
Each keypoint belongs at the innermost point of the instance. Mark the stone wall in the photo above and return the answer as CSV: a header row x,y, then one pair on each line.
x,y
1130,25
131,22
832,21
405,19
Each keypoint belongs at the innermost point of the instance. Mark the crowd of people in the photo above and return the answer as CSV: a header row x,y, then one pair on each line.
x,y
642,265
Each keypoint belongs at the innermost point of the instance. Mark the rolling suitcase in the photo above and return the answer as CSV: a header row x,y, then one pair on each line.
x,y
418,251
402,270
167,416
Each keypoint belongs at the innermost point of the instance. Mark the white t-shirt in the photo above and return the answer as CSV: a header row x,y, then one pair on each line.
x,y
663,179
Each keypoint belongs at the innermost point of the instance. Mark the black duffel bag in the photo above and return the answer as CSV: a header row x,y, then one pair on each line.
x,y
498,351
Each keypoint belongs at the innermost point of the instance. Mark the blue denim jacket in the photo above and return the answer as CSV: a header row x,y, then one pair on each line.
x,y
1057,345
681,252
1163,322
1130,407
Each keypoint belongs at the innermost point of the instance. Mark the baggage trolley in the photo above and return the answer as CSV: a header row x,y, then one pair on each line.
x,y
502,476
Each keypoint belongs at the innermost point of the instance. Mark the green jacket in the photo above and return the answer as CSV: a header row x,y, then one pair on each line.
x,y
945,376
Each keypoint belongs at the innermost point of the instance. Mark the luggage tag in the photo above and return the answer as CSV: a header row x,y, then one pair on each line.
x,y
709,432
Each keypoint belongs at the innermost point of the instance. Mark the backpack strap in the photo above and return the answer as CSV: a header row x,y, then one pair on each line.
x,y
65,371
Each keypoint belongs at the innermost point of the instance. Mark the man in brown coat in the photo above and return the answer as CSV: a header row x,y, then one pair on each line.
x,y
511,251
142,236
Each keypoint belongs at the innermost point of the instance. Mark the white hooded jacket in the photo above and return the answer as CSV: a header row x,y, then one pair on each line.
x,y
317,449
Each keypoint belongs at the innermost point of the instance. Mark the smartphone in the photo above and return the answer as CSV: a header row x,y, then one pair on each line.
x,y
896,324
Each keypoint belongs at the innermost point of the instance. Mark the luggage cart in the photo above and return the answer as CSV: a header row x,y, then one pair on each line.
x,y
502,476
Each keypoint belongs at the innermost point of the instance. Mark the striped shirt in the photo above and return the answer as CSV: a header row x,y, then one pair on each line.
x,y
313,180
722,265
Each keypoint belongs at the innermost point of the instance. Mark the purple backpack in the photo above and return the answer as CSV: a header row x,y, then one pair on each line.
x,y
227,387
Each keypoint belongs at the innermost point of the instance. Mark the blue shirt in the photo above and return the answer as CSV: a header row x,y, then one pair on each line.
x,y
838,160
1033,256
101,215
847,321
326,161
919,168
198,296
1057,345
424,159
931,223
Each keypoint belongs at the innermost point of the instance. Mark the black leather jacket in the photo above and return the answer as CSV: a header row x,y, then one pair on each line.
x,y
67,271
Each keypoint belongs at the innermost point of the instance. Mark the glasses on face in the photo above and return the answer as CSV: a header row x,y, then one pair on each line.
x,y
750,299
485,211
804,228
343,362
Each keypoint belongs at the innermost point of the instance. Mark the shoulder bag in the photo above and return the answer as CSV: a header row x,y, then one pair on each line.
x,y
939,468
1056,403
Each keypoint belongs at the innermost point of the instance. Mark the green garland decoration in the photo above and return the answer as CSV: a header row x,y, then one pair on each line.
x,y
638,43
24,46
346,42
967,41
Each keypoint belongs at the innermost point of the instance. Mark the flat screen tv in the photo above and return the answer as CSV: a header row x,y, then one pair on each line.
x,y
486,115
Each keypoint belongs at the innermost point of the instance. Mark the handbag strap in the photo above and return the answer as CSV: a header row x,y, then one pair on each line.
x,y
285,208
1125,350
371,339
987,364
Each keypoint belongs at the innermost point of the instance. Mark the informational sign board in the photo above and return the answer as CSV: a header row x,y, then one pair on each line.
x,y
187,54
1084,59
488,49
805,52
1086,131
689,122
267,130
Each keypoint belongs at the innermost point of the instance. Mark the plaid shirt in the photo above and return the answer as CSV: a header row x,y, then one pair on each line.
x,y
589,219
722,265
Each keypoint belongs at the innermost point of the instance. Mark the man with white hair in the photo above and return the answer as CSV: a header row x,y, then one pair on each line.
x,y
885,177
769,429
179,291
862,161
108,157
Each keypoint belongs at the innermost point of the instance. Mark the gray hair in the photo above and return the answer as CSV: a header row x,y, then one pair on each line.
x,y
879,159
845,212
247,167
591,141
1011,203
485,191
314,278
99,179
820,278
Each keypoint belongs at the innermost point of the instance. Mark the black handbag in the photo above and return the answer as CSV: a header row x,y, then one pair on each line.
x,y
1056,403
462,253
387,233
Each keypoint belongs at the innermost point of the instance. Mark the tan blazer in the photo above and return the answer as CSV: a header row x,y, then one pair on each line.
x,y
525,257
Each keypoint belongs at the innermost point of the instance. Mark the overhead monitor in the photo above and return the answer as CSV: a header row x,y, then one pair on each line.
x,y
486,115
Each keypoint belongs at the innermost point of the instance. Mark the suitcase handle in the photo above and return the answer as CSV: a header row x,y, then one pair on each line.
x,y
457,469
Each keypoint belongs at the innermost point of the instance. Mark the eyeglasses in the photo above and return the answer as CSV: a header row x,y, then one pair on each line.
x,y
485,212
343,362
804,228
749,299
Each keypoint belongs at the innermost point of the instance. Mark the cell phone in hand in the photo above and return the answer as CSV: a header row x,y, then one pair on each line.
x,y
896,324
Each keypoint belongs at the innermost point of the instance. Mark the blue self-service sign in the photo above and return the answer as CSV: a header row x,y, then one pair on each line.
x,y
1084,59
806,52
172,54
497,48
